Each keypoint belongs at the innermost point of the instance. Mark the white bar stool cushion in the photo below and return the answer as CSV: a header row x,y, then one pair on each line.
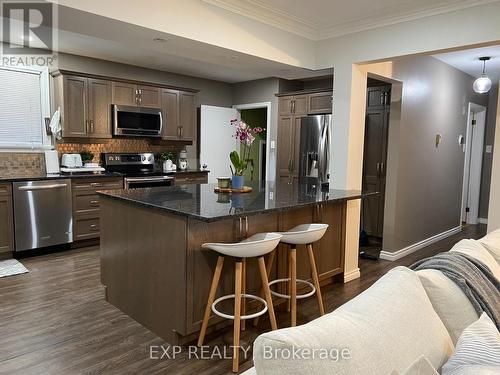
x,y
304,234
254,246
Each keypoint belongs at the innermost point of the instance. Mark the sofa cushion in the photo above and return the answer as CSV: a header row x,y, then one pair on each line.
x,y
449,302
492,243
477,351
385,328
421,366
476,250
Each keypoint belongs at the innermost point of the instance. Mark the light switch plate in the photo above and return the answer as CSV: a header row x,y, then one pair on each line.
x,y
273,145
489,149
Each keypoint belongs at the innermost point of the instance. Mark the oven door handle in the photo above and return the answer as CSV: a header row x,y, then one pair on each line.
x,y
149,179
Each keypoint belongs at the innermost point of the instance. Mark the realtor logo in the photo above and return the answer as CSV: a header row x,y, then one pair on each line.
x,y
28,31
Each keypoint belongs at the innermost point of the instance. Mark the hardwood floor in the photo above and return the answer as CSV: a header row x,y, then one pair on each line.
x,y
55,320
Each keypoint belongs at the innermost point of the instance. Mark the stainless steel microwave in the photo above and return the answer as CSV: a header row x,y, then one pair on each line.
x,y
136,121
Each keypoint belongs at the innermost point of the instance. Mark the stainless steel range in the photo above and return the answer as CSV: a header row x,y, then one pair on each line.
x,y
138,168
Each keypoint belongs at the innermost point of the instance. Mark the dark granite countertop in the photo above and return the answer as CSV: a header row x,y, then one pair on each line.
x,y
187,171
199,201
15,177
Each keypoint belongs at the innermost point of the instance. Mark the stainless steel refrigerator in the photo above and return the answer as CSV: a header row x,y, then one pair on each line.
x,y
315,150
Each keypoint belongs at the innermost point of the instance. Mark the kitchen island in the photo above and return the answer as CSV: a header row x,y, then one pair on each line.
x,y
152,264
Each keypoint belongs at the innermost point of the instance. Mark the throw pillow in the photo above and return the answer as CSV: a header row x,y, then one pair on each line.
x,y
477,350
421,366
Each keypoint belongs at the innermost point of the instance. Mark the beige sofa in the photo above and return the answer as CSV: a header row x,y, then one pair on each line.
x,y
403,316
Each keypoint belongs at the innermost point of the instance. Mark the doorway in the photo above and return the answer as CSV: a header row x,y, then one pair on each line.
x,y
256,171
473,149
378,105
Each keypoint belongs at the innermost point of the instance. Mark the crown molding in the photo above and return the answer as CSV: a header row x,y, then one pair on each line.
x,y
258,10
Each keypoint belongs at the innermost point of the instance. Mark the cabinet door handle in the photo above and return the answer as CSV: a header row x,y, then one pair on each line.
x,y
382,166
93,227
87,126
96,184
91,126
94,203
293,106
290,165
182,131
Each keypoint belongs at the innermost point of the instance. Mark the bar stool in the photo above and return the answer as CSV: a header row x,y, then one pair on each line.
x,y
304,234
255,246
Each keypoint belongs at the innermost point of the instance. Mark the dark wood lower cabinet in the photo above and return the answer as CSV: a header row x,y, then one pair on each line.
x,y
6,221
86,205
155,270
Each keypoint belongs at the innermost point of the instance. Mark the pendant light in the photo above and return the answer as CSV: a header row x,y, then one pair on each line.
x,y
483,84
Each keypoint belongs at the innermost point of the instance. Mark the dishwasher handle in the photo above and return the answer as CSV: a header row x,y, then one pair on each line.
x,y
42,187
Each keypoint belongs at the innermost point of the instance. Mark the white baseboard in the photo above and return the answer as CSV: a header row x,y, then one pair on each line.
x,y
482,220
351,275
417,246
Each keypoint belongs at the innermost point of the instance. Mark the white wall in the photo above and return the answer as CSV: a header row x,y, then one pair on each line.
x,y
494,208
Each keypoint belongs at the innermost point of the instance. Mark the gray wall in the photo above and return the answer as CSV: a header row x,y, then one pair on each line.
x,y
489,139
262,90
424,183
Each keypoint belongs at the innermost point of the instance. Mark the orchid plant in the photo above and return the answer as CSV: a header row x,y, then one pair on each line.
x,y
246,136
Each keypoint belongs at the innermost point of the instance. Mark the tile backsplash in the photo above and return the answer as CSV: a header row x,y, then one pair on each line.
x,y
21,163
15,163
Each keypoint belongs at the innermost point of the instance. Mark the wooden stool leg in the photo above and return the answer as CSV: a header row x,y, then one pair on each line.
x,y
211,297
315,277
289,301
237,315
269,267
243,290
293,285
267,292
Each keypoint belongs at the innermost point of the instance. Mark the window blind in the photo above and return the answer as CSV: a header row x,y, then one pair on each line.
x,y
20,109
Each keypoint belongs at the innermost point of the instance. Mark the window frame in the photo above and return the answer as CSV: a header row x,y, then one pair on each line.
x,y
45,110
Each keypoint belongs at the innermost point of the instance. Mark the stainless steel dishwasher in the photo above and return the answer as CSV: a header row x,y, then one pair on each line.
x,y
42,213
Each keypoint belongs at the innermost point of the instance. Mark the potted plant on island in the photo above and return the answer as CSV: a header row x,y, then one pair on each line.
x,y
246,136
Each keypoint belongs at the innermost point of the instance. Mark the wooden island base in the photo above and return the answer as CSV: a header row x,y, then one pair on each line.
x,y
155,271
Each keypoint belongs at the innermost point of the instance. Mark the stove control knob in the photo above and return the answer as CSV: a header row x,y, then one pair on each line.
x,y
150,158
143,158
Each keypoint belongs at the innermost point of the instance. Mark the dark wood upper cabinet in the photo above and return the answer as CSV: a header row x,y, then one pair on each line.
x,y
179,115
85,106
6,221
300,105
320,103
73,106
149,96
187,115
99,108
124,93
136,95
170,114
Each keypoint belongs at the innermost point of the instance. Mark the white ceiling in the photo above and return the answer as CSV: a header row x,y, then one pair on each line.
x,y
322,19
468,61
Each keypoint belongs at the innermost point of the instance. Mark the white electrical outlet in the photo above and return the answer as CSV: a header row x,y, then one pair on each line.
x,y
273,145
489,149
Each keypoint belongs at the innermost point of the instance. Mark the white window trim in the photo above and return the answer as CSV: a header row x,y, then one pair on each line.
x,y
45,111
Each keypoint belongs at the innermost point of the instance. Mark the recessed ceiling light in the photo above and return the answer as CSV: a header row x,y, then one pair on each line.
x,y
159,40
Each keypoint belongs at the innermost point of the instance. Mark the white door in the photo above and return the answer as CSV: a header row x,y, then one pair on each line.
x,y
216,140
473,163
